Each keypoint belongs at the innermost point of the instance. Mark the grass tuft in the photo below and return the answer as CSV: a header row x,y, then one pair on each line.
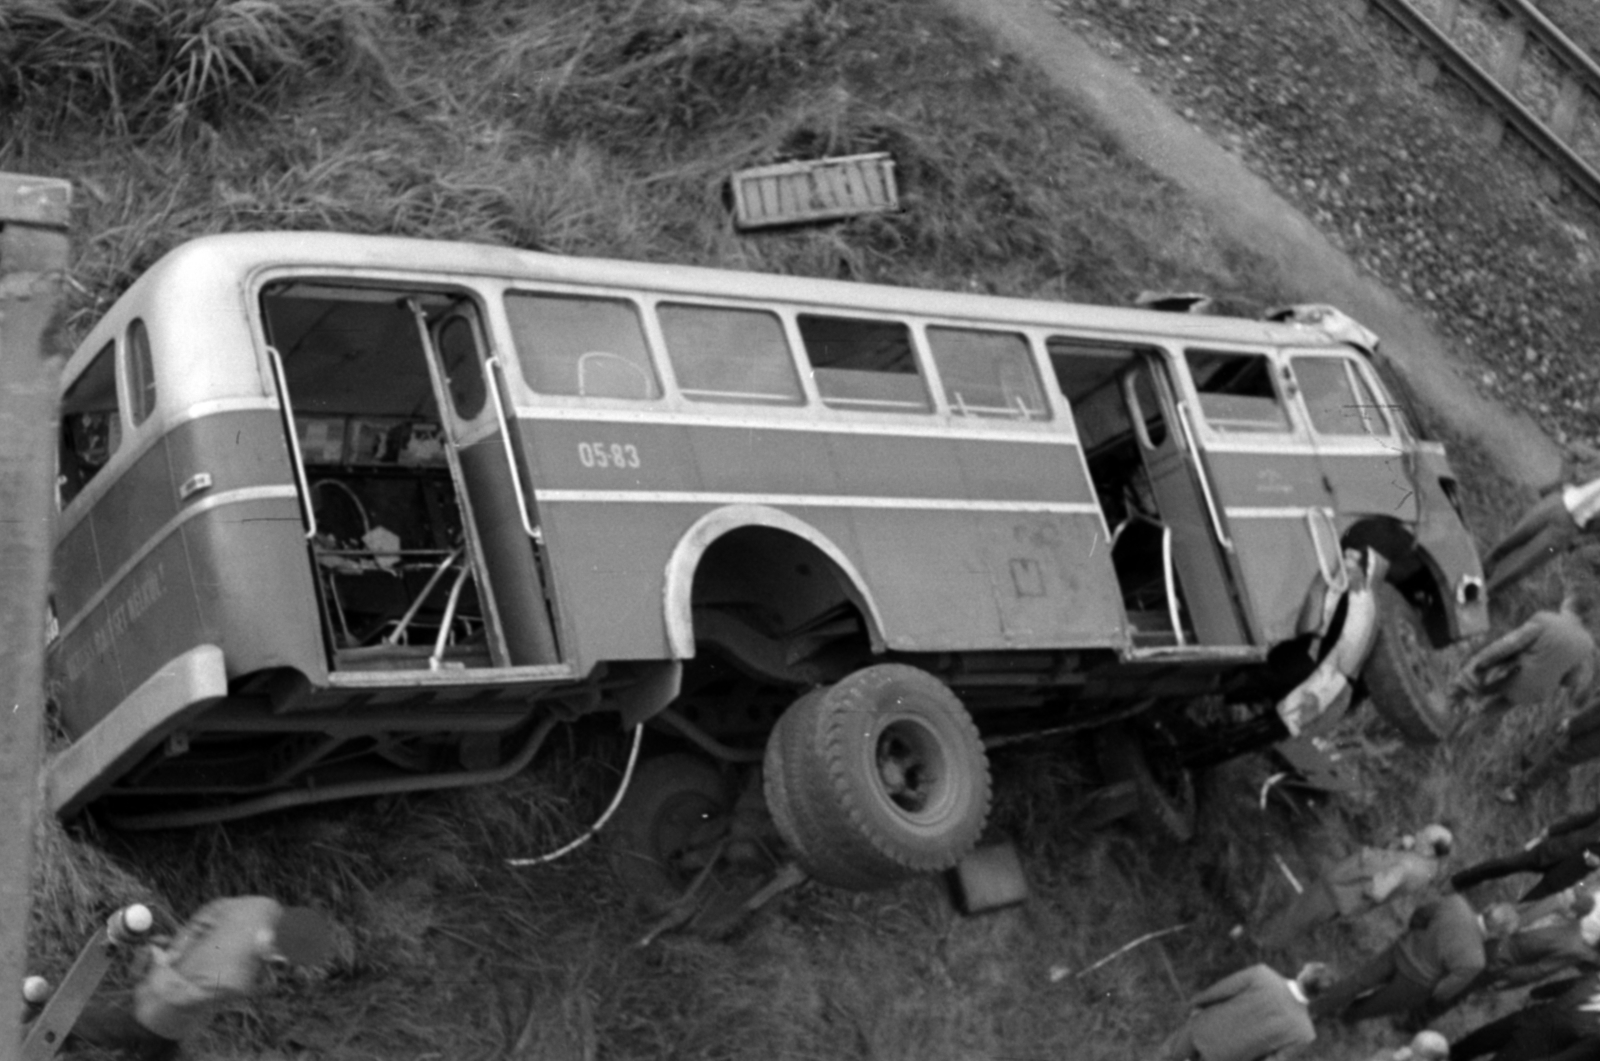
x,y
152,67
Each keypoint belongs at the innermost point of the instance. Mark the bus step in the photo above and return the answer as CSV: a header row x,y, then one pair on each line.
x,y
409,657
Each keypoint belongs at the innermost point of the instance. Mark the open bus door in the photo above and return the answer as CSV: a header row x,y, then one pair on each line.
x,y
1177,477
421,536
499,500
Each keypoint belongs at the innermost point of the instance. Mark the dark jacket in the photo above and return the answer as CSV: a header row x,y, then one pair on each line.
x,y
1448,953
1249,1016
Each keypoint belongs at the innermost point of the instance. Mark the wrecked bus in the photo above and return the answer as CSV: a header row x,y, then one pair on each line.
x,y
345,515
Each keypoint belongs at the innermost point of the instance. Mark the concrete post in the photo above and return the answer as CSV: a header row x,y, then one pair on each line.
x,y
33,261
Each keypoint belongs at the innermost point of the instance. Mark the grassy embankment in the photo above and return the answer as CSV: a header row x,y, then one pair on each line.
x,y
608,129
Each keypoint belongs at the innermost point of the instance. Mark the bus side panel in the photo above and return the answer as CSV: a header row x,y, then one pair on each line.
x,y
953,565
1279,563
1370,478
1052,579
609,563
238,449
613,500
75,573
256,598
85,681
1267,478
103,649
763,461
1265,497
146,620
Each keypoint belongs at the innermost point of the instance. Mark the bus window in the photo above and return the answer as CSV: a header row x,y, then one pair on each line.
x,y
91,424
864,364
141,373
458,350
587,347
987,373
729,355
1236,391
1339,401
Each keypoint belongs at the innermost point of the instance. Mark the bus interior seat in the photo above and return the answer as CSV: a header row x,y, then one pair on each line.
x,y
387,518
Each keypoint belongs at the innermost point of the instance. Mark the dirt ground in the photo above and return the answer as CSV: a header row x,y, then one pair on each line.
x,y
1250,212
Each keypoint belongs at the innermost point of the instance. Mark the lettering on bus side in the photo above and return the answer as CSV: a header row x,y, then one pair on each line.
x,y
608,455
140,597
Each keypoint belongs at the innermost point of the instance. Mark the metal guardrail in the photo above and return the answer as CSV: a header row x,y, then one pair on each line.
x,y
1550,136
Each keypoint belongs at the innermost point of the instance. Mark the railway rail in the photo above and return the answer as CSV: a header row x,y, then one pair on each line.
x,y
1533,78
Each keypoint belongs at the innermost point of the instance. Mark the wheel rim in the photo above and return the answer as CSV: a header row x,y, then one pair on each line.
x,y
912,770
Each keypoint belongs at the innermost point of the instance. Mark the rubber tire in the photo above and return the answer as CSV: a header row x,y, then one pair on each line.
x,y
1400,675
1167,812
646,837
826,788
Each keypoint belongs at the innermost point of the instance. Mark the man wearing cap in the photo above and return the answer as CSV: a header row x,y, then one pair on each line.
x,y
1363,881
1248,1016
1549,653
1438,958
217,957
1548,529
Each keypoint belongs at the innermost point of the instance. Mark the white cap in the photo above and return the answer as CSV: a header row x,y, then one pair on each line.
x,y
1429,1044
35,989
137,918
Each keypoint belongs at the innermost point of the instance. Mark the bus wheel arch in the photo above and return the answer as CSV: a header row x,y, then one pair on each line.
x,y
684,566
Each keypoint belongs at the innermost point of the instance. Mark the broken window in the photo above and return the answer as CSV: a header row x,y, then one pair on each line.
x,y
1236,391
864,364
91,424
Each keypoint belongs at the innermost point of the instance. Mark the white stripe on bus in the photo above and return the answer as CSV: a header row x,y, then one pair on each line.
x,y
231,497
805,418
695,497
1285,512
1324,448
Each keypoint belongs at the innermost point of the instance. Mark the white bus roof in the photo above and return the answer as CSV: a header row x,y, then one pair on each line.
x,y
235,258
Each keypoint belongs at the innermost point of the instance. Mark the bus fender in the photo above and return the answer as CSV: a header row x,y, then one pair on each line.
x,y
1327,691
183,687
679,587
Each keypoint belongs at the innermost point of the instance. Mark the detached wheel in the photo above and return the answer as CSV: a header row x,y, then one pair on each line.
x,y
668,826
877,779
1407,680
1167,806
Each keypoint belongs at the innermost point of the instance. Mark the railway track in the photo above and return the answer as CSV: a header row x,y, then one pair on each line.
x,y
1532,79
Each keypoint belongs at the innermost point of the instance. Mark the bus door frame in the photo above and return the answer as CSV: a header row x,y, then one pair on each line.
x,y
1201,548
